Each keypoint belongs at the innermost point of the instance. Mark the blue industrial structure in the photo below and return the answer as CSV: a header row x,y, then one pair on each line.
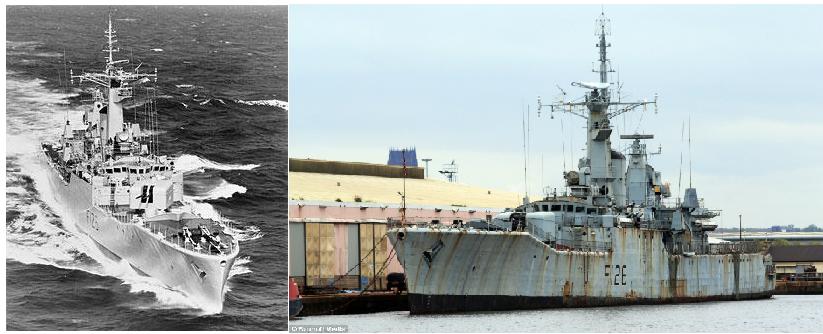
x,y
396,157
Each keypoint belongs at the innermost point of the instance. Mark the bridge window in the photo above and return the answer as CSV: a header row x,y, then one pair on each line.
x,y
569,208
556,207
109,170
591,211
579,209
545,207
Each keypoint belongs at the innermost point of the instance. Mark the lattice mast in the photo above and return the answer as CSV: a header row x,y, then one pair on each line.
x,y
595,169
116,83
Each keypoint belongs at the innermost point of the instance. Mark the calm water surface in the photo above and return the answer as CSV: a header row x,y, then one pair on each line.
x,y
779,314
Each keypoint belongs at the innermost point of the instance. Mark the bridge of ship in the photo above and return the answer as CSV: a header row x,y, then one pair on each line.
x,y
572,212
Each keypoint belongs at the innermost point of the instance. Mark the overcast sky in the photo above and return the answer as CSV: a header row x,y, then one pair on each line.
x,y
453,81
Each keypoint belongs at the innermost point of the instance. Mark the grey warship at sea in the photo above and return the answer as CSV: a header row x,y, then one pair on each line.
x,y
615,237
109,174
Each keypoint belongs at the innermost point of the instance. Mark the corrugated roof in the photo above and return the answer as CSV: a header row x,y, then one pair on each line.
x,y
798,253
331,187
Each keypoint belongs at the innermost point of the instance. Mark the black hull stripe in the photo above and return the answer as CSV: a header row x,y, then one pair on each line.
x,y
427,304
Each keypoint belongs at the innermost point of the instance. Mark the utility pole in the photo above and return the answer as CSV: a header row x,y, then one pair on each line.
x,y
403,214
427,166
741,227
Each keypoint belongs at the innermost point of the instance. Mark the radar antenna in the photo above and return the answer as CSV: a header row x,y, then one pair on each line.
x,y
600,98
598,108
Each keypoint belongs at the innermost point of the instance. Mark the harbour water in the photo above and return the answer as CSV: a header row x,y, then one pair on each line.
x,y
221,91
783,313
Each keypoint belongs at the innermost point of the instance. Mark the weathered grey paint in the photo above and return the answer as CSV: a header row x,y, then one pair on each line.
x,y
638,268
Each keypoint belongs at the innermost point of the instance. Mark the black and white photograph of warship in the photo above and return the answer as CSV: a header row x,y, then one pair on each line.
x,y
145,159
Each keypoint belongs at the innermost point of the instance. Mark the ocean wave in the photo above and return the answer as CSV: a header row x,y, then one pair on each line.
x,y
240,232
240,267
191,163
37,234
272,103
30,45
37,231
35,54
34,110
223,190
245,233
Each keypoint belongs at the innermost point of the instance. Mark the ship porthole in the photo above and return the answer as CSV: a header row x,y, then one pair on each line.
x,y
223,263
401,236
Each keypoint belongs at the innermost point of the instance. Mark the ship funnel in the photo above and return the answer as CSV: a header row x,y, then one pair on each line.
x,y
690,199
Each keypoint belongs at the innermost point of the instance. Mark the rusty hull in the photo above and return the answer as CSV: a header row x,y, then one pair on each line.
x,y
453,270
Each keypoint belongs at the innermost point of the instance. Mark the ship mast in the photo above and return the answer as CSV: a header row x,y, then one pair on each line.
x,y
110,33
604,66
597,179
117,83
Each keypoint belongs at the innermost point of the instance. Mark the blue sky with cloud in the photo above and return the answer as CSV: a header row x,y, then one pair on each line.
x,y
454,81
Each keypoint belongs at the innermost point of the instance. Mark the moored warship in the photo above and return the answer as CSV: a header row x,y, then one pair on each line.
x,y
615,238
127,198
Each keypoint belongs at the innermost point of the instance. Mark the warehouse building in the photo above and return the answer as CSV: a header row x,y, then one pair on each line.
x,y
797,260
339,213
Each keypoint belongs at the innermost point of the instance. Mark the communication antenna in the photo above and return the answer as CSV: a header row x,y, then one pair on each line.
x,y
542,165
64,86
450,171
405,171
563,143
525,155
680,171
690,150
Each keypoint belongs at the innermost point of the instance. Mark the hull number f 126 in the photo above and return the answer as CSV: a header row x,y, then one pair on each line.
x,y
618,274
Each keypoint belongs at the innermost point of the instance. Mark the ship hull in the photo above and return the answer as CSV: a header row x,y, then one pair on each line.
x,y
454,270
202,278
432,304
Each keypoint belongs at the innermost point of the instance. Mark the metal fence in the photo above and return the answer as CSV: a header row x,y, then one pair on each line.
x,y
735,247
805,277
172,237
580,245
336,283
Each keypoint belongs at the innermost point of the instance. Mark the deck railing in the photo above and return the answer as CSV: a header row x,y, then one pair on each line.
x,y
579,245
735,247
173,237
169,235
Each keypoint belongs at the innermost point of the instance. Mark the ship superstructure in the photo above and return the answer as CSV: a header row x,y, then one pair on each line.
x,y
127,197
616,237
